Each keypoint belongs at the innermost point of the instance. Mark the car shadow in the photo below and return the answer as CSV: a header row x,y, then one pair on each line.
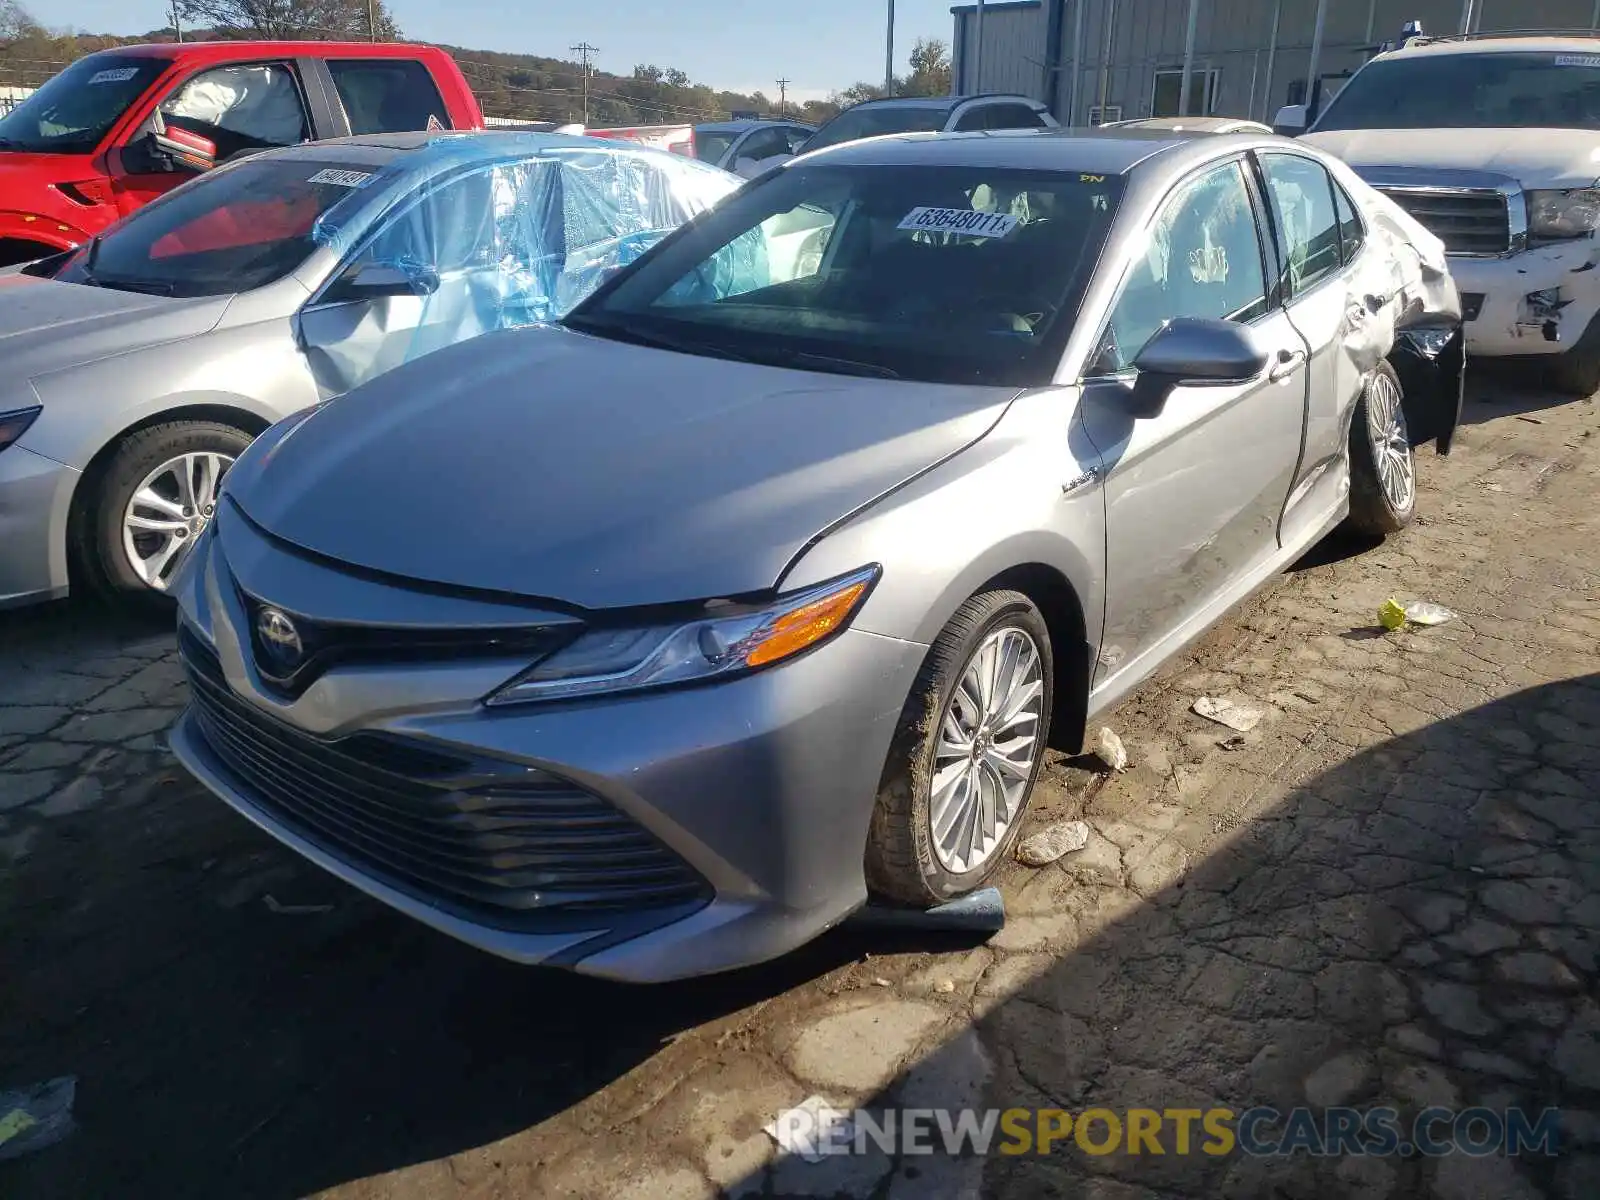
x,y
1419,925
1509,389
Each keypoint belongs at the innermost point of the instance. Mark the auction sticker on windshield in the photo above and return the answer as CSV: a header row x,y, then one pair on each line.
x,y
1578,60
116,75
960,220
349,179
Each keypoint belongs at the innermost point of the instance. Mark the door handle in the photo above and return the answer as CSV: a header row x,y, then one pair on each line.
x,y
1289,361
1375,303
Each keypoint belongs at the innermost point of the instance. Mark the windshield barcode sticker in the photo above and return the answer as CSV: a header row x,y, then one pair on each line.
x,y
1578,60
349,179
960,220
117,75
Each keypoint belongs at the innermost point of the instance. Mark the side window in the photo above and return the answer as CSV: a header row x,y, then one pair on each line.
x,y
1352,234
796,137
1202,259
388,95
973,118
1302,209
1014,116
763,144
243,106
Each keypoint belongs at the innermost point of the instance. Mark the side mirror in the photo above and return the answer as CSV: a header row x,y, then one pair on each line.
x,y
183,149
1290,121
388,279
1193,352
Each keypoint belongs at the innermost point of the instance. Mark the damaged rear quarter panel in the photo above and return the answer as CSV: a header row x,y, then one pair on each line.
x,y
1412,313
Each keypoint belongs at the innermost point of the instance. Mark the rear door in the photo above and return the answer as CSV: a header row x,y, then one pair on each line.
x,y
1316,282
388,95
1193,494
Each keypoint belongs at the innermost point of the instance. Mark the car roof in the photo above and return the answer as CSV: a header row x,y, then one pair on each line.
x,y
230,50
746,123
940,101
1193,124
1099,151
1496,45
465,145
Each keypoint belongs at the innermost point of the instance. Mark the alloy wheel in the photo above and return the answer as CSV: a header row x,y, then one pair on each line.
x,y
987,745
168,511
1391,443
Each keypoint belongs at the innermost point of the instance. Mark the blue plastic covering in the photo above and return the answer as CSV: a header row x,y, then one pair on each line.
x,y
506,230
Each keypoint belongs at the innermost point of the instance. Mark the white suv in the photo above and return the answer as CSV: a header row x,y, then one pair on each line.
x,y
1493,143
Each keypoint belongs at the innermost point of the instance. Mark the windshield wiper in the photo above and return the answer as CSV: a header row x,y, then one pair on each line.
x,y
836,366
657,341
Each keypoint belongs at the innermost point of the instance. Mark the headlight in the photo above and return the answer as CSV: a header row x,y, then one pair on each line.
x,y
625,660
1564,214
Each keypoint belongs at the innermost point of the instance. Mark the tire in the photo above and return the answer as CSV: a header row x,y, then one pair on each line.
x,y
905,863
1576,372
1374,507
102,550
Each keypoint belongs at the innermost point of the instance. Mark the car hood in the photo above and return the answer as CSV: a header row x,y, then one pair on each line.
x,y
552,464
47,326
1536,158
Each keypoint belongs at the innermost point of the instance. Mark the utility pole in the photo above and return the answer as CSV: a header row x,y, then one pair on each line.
x,y
1188,59
783,97
977,57
176,27
584,50
1314,73
372,19
888,56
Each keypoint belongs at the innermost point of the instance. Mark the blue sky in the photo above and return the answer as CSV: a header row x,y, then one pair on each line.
x,y
820,45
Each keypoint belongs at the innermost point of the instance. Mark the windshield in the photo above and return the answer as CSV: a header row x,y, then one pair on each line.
x,y
1471,91
239,228
940,274
710,147
75,109
875,120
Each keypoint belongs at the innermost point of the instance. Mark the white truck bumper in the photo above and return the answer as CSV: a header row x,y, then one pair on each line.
x,y
1537,302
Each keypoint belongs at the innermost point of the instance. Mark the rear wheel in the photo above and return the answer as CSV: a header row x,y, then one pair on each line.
x,y
1383,469
158,493
964,760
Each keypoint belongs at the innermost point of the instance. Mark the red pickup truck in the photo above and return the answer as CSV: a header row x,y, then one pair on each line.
x,y
117,129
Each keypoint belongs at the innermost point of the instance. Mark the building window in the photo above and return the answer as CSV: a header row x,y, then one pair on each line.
x,y
1106,115
1168,91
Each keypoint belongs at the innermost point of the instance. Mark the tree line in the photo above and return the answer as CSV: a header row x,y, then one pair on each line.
x,y
518,86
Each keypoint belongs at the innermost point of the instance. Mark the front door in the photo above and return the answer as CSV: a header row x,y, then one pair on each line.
x,y
1193,494
238,107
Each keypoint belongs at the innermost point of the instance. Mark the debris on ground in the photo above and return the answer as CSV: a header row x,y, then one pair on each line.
x,y
945,986
1045,847
814,1123
1394,616
295,910
881,982
1235,714
1236,742
34,1117
1108,748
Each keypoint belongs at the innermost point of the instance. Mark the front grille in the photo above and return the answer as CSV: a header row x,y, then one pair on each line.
x,y
1467,221
492,840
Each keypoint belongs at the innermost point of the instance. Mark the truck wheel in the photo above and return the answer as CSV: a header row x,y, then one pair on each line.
x,y
1383,469
1576,372
158,492
962,766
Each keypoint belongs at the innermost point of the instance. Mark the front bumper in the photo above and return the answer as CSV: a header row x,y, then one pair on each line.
x,y
35,497
1537,302
762,787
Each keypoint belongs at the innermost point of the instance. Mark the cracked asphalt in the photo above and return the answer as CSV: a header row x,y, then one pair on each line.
x,y
1388,893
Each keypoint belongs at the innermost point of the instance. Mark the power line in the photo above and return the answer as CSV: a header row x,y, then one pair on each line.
x,y
585,50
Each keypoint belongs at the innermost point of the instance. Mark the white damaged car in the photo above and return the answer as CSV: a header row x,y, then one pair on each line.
x,y
1493,143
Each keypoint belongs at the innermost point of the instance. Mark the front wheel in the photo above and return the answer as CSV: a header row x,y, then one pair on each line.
x,y
159,491
964,760
1383,468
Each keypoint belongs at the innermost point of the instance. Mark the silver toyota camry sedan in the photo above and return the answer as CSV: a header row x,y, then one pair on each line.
x,y
654,643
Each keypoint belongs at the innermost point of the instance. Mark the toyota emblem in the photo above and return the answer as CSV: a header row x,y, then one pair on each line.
x,y
280,640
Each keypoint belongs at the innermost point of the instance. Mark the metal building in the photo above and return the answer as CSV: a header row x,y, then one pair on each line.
x,y
1093,60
